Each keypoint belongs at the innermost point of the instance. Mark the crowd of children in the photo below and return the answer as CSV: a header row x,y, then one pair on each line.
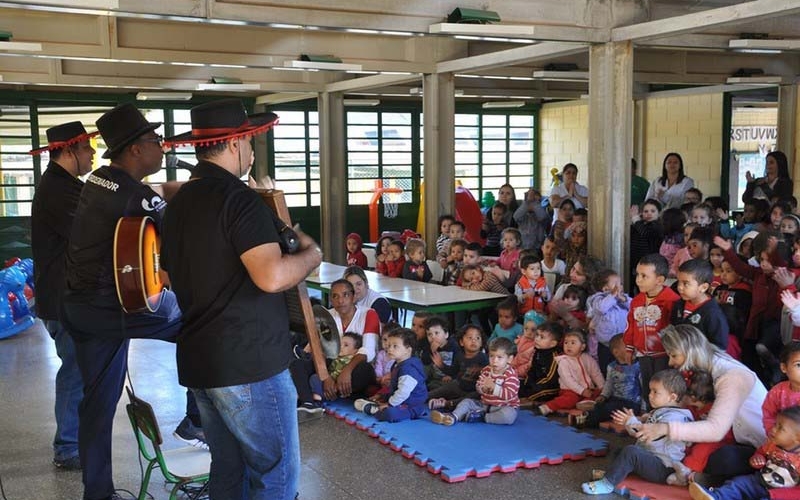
x,y
570,339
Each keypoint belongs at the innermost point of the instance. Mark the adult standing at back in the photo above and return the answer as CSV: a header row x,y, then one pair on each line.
x,y
508,197
670,188
54,206
737,404
569,188
775,185
222,250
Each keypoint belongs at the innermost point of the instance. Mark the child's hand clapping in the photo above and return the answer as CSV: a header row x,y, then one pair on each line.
x,y
790,300
621,417
723,243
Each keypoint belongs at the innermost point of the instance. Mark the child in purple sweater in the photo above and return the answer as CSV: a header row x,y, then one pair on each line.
x,y
607,312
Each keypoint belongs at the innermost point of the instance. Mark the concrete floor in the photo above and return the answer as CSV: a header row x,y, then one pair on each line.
x,y
339,461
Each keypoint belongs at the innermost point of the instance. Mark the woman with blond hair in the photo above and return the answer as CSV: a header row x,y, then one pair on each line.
x,y
739,395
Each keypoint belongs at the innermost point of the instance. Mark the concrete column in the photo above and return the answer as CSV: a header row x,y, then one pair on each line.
x,y
610,149
639,121
333,175
438,111
787,125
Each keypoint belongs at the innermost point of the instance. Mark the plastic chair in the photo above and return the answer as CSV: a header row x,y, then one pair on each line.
x,y
180,467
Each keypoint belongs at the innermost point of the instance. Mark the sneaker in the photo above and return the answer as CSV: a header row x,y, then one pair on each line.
x,y
675,479
585,405
599,487
437,403
71,463
309,410
475,417
190,434
442,418
698,492
366,406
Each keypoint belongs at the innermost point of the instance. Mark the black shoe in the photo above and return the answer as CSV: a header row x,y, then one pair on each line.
x,y
191,434
309,410
71,463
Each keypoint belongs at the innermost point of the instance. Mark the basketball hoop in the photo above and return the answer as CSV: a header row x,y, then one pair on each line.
x,y
390,206
390,196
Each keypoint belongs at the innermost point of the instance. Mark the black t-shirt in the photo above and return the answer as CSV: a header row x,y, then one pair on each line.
x,y
233,333
109,193
54,206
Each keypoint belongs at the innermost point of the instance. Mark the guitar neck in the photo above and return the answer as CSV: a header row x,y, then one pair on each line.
x,y
300,310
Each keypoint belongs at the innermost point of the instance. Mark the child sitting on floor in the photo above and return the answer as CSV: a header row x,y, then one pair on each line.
x,y
787,393
460,376
699,399
355,255
777,461
440,352
526,346
349,346
507,325
579,376
382,362
498,386
541,381
570,311
415,267
408,389
622,388
667,389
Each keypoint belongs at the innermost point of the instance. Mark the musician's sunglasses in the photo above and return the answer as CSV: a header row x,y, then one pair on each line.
x,y
159,139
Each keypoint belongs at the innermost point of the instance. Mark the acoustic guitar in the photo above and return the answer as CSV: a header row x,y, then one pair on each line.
x,y
137,248
301,313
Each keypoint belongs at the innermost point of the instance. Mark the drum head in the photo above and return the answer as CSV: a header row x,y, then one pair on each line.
x,y
328,332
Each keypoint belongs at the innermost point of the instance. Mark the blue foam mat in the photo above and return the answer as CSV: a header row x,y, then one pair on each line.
x,y
464,450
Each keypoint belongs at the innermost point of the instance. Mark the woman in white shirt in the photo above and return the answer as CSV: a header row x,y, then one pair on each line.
x,y
671,187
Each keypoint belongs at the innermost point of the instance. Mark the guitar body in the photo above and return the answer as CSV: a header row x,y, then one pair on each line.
x,y
301,314
137,247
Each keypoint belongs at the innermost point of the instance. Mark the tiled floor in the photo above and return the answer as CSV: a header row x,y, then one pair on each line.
x,y
339,462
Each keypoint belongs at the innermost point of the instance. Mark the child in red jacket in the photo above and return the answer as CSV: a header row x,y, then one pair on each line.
x,y
355,255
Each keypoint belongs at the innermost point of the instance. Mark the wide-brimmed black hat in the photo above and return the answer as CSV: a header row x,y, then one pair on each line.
x,y
121,126
221,120
64,135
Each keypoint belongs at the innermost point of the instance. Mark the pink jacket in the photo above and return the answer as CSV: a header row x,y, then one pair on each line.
x,y
579,374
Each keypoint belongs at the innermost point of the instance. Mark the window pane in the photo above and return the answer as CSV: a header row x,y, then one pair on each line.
x,y
396,118
494,120
466,119
494,145
290,117
356,117
466,157
521,169
526,157
493,157
283,130
520,120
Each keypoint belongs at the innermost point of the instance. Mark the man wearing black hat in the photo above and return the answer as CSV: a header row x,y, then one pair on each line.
x,y
54,206
90,306
221,248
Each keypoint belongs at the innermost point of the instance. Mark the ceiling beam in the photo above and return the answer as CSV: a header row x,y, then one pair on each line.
x,y
698,21
520,55
371,82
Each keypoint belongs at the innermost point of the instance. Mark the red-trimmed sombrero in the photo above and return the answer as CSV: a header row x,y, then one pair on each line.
x,y
64,135
222,120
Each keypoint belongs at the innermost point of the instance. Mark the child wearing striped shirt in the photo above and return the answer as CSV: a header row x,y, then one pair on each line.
x,y
498,386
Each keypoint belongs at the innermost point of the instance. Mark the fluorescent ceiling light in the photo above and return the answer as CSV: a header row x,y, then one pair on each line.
x,y
756,79
361,102
501,30
775,46
163,96
21,46
234,87
1,78
562,76
324,66
85,4
502,104
418,91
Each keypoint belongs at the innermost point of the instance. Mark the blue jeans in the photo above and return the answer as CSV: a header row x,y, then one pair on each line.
x,y
69,392
748,486
254,440
101,332
637,460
